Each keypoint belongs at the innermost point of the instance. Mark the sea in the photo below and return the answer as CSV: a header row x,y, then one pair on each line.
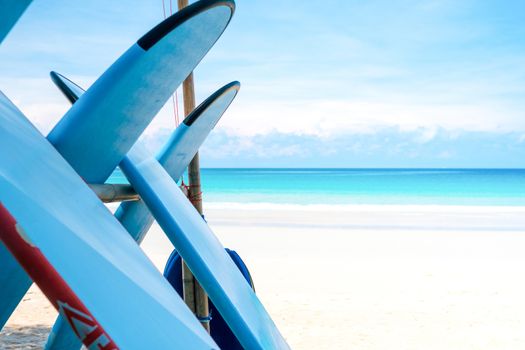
x,y
466,187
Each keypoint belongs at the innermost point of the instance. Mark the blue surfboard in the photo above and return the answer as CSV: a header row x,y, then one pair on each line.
x,y
202,251
14,281
10,12
175,157
178,151
13,278
122,102
59,222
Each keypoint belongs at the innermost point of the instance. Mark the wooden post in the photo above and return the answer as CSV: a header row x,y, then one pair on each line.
x,y
194,296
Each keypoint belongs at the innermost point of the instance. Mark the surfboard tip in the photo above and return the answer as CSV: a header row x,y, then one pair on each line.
x,y
163,28
65,86
193,116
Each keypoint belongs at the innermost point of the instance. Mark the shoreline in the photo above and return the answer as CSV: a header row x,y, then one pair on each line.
x,y
369,217
363,207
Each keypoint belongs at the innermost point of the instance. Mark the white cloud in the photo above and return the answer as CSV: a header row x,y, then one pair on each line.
x,y
327,117
343,77
426,135
253,113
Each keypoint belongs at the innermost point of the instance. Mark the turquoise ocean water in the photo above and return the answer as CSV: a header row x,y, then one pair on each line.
x,y
365,186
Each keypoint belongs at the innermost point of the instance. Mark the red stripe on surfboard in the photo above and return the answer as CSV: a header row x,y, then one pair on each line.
x,y
54,287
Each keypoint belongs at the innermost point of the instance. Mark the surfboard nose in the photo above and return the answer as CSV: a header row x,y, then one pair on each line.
x,y
165,27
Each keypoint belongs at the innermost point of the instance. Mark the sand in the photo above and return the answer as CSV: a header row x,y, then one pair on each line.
x,y
363,277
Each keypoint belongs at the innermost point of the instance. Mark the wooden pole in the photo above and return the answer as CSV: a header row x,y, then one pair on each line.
x,y
194,296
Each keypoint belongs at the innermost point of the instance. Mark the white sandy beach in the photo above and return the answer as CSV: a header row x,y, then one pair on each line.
x,y
363,277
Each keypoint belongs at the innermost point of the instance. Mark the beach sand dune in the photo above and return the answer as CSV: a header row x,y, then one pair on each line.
x,y
364,277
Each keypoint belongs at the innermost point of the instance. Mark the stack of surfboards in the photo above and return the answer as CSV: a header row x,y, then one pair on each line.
x,y
56,232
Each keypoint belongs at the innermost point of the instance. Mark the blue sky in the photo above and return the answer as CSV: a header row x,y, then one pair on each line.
x,y
324,84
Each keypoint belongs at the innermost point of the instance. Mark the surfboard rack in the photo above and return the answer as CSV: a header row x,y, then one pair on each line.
x,y
110,193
